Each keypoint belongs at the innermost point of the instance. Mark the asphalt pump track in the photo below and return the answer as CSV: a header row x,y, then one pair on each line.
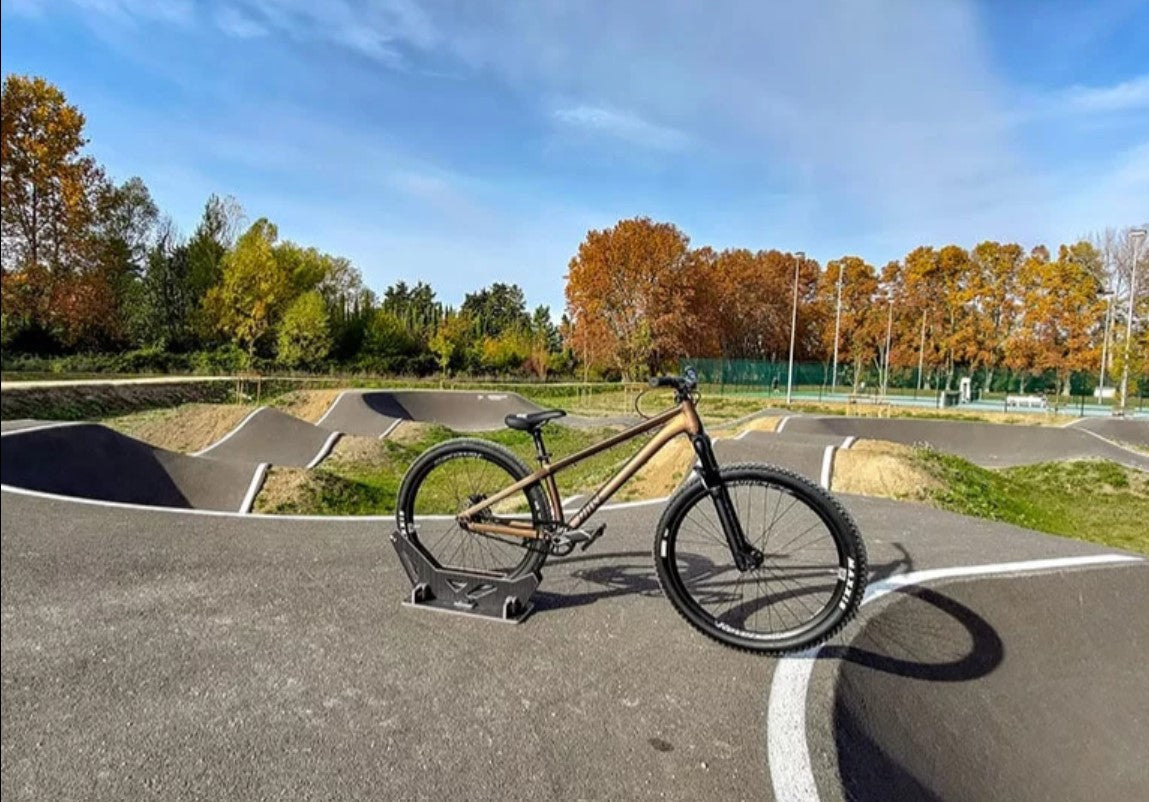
x,y
188,653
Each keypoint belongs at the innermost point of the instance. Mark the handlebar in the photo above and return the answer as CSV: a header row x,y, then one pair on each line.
x,y
685,383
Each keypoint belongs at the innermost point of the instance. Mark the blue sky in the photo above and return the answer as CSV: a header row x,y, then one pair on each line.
x,y
468,142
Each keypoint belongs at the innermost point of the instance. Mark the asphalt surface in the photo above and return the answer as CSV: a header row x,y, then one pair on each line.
x,y
1125,430
1058,654
374,412
94,462
989,444
183,656
805,456
268,435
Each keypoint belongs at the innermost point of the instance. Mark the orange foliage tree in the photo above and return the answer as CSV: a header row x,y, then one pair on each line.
x,y
631,292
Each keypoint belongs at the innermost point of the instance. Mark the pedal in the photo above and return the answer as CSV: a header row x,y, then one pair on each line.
x,y
590,537
564,544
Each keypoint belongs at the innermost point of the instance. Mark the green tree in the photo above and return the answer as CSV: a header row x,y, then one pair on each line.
x,y
496,309
450,339
304,338
254,287
161,316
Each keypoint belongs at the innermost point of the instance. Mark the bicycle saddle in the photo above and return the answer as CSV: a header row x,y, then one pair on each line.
x,y
530,421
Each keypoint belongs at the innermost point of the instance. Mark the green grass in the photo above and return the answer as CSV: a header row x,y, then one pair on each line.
x,y
1096,501
369,486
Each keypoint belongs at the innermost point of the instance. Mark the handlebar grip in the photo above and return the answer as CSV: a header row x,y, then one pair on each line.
x,y
663,381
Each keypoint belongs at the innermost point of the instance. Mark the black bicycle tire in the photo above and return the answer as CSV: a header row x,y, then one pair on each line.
x,y
535,555
839,522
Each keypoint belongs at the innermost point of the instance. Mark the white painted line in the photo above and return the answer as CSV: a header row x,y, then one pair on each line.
x,y
42,427
256,483
787,749
230,434
324,450
782,424
849,441
126,505
331,408
390,428
827,466
1113,443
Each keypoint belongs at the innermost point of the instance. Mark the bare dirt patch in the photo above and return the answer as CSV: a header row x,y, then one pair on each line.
x,y
284,488
188,427
882,469
308,405
354,449
663,473
410,432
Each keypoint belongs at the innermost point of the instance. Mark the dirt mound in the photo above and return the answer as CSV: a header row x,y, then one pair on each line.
x,y
877,468
188,427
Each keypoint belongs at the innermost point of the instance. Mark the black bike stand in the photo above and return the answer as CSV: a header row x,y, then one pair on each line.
x,y
464,592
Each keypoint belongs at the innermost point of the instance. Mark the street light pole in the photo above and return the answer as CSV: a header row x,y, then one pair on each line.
x,y
922,352
837,327
1105,347
1136,235
889,333
798,258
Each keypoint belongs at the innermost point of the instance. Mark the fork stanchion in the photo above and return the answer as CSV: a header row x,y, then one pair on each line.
x,y
464,592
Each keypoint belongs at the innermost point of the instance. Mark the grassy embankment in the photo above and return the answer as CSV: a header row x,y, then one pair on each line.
x,y
1097,501
362,476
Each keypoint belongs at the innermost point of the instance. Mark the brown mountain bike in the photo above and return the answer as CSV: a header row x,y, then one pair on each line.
x,y
751,555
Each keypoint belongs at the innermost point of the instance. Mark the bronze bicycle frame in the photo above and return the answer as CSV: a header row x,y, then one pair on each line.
x,y
679,419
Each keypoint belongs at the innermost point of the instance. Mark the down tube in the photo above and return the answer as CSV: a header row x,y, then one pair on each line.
x,y
664,436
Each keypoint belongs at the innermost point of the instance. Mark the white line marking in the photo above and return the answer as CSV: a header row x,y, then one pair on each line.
x,y
390,428
230,434
43,426
331,408
324,450
126,505
782,424
1113,443
256,483
849,441
787,749
827,466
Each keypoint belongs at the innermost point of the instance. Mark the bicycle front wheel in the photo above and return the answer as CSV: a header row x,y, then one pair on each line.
x,y
813,572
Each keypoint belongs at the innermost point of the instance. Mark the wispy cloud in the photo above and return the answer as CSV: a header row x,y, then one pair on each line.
x,y
622,125
238,24
1125,96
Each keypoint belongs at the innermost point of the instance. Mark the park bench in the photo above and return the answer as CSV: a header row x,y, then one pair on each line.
x,y
1026,401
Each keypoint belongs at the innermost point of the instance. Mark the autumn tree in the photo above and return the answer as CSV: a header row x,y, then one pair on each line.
x,y
994,305
745,299
1061,313
856,340
253,287
633,280
48,197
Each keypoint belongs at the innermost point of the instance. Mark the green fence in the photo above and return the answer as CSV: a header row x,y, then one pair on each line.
x,y
770,376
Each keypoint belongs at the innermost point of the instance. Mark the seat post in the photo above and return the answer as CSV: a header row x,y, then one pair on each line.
x,y
540,447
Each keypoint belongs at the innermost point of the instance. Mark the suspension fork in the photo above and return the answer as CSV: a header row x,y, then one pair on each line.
x,y
746,557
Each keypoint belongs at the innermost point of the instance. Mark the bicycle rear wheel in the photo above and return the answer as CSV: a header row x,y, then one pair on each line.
x,y
450,478
809,584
